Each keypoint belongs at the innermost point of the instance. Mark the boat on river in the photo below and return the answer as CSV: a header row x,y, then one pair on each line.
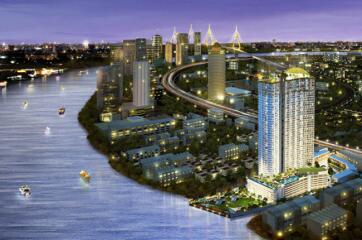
x,y
25,190
84,175
61,111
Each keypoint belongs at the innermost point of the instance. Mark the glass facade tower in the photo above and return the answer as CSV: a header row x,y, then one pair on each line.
x,y
286,122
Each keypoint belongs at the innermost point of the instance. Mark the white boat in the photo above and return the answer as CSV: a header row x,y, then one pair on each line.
x,y
3,84
47,131
25,190
25,104
57,78
81,73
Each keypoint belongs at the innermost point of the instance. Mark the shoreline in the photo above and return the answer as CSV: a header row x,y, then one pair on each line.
x,y
65,69
190,189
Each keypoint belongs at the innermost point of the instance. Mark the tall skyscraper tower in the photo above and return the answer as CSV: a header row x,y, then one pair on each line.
x,y
110,88
129,55
141,84
285,122
168,52
133,50
182,48
216,73
141,46
197,43
157,47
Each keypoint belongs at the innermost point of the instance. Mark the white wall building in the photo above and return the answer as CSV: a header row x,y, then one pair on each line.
x,y
141,84
289,188
286,122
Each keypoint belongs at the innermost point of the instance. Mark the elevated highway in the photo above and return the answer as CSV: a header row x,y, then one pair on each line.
x,y
168,82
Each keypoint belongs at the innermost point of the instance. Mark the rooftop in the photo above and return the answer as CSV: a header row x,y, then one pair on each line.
x,y
132,122
327,214
347,164
287,177
292,205
296,72
236,91
164,159
144,149
346,186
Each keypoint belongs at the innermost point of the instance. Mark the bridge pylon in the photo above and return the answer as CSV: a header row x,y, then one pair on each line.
x,y
236,39
174,36
209,39
191,34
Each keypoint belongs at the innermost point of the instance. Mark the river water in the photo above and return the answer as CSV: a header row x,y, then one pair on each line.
x,y
61,205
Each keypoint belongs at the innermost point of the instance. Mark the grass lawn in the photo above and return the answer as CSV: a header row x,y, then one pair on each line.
x,y
243,202
310,170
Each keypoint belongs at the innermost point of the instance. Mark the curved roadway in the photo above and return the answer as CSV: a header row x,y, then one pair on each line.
x,y
168,82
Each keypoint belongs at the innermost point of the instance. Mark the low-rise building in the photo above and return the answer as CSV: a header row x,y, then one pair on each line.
x,y
253,141
289,187
137,154
355,159
194,122
232,151
234,97
245,122
215,115
164,140
285,217
348,172
153,138
194,127
232,64
321,155
359,212
167,168
342,194
322,222
133,126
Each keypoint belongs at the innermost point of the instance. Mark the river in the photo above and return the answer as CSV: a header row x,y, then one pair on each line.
x,y
61,205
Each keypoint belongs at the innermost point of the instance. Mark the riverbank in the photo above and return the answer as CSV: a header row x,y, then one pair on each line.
x,y
4,74
191,188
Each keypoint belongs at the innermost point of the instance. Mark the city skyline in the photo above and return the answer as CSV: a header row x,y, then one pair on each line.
x,y
73,22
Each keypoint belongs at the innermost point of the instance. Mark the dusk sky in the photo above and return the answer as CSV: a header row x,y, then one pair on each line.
x,y
34,21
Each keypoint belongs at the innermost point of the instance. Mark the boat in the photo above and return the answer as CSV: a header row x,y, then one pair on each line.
x,y
57,78
81,73
3,84
25,190
84,175
47,131
61,110
25,104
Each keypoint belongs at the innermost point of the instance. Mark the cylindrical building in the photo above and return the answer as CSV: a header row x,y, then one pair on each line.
x,y
216,73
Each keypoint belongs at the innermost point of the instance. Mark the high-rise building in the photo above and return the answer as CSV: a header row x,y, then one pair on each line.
x,y
141,49
182,48
157,47
129,55
285,122
169,52
110,88
197,43
141,84
216,73
133,50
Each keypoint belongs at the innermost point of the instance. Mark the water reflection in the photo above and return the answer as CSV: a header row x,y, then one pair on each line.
x,y
61,205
